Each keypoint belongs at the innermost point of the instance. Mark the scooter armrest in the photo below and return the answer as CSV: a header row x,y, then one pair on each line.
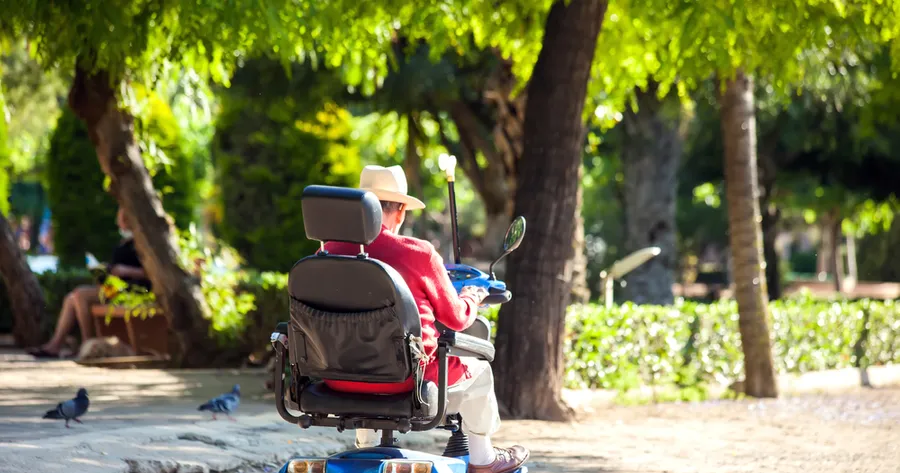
x,y
468,346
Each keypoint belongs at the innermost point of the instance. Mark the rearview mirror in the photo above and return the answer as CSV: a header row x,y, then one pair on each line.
x,y
514,235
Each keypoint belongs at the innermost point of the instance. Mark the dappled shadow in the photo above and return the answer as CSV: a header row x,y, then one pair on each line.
x,y
119,398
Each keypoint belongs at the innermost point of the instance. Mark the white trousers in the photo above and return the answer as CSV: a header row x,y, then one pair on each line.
x,y
472,398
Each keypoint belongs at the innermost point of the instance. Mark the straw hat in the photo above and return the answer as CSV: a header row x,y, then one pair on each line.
x,y
388,184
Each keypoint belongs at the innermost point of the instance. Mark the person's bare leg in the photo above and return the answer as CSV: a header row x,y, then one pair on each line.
x,y
76,307
64,324
84,298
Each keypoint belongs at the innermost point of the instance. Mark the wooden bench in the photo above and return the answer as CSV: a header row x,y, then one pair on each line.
x,y
148,336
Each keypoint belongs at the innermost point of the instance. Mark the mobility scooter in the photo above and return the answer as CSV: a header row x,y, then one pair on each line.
x,y
353,318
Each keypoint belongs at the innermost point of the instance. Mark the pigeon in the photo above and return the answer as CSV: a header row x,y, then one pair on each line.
x,y
224,403
71,409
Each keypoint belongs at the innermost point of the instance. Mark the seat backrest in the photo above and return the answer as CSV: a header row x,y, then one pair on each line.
x,y
351,316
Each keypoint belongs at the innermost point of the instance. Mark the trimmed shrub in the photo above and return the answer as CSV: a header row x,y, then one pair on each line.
x,y
695,344
274,137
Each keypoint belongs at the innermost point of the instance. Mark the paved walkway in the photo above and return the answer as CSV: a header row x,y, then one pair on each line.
x,y
146,421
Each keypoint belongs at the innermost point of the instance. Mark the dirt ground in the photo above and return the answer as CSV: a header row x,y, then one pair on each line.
x,y
854,431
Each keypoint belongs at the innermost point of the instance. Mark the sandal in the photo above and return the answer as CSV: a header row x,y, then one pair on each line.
x,y
41,353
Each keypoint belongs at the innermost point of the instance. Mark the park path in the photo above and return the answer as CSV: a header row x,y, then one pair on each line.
x,y
146,421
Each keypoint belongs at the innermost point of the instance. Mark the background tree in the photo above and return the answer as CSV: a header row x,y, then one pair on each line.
x,y
274,136
88,223
531,327
25,295
651,152
126,43
718,39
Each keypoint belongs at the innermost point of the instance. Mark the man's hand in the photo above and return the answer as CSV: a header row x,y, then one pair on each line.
x,y
477,293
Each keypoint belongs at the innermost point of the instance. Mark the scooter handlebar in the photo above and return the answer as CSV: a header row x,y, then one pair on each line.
x,y
497,298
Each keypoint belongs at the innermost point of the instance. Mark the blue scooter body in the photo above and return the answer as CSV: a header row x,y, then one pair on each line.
x,y
462,275
378,460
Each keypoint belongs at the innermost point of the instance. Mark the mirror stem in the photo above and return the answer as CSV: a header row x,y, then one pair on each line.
x,y
491,269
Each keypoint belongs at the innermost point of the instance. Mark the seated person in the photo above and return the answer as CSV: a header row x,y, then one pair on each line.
x,y
124,264
471,381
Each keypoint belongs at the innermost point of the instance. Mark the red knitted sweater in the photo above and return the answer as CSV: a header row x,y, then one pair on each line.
x,y
423,270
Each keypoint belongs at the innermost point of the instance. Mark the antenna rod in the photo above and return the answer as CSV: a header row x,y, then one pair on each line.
x,y
447,163
453,222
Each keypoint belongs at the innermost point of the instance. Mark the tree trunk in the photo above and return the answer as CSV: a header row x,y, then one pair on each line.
x,y
529,363
836,263
25,296
852,272
651,152
770,217
580,293
92,97
826,248
745,236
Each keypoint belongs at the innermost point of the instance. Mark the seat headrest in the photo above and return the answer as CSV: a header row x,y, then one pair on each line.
x,y
340,214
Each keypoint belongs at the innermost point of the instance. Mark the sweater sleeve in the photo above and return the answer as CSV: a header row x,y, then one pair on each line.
x,y
454,311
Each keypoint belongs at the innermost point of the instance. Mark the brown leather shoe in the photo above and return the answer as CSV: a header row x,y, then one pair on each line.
x,y
507,461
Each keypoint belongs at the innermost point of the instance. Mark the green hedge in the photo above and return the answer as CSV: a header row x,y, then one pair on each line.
x,y
695,344
690,344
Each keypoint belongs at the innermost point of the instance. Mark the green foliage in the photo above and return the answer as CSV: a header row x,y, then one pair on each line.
x,y
139,301
4,158
268,147
217,267
171,167
694,345
270,296
129,38
226,290
33,99
193,104
83,214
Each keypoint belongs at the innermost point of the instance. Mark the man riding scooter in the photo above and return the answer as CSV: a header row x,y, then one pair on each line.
x,y
421,267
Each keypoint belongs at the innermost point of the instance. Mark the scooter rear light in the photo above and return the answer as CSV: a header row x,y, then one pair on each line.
x,y
406,466
306,466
